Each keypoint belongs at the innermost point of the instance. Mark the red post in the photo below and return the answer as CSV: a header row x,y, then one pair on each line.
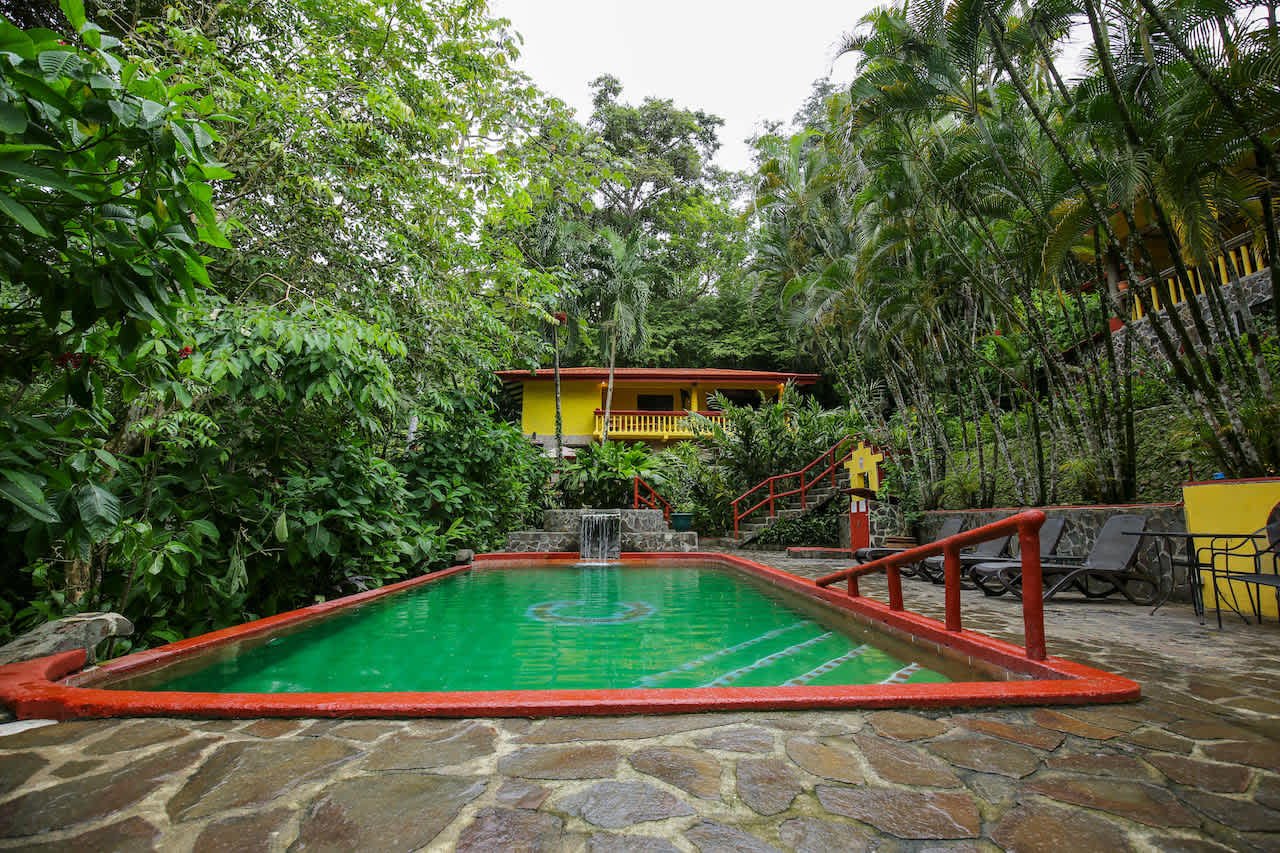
x,y
853,586
771,512
951,568
1032,588
894,577
735,519
635,485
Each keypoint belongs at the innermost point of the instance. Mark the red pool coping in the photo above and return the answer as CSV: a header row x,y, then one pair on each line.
x,y
52,688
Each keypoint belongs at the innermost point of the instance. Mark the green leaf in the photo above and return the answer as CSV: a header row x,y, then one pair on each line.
x,y
12,119
26,492
19,214
99,509
15,41
15,148
151,110
41,177
282,528
58,63
74,10
205,528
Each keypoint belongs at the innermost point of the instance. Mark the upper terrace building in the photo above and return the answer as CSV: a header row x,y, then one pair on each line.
x,y
650,404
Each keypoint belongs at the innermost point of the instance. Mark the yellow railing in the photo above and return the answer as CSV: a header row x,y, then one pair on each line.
x,y
1244,256
659,426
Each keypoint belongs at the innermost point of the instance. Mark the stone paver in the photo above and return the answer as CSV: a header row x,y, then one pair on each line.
x,y
690,770
767,785
1193,766
613,805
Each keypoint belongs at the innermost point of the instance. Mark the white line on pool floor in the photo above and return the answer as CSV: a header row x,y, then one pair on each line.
x,y
728,677
826,667
648,680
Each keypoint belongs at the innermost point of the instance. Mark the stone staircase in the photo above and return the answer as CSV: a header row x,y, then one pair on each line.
x,y
817,498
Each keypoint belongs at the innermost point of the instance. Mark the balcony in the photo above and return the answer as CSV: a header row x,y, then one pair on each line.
x,y
650,426
1242,258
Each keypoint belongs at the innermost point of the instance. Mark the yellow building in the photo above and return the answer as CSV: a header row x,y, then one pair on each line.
x,y
649,404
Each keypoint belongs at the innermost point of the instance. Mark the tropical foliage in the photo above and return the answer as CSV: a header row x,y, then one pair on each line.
x,y
253,294
961,232
259,260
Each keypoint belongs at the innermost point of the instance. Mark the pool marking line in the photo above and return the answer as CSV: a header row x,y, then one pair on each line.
x,y
648,680
728,677
823,669
904,674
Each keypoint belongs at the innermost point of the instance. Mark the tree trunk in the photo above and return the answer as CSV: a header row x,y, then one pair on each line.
x,y
608,394
555,343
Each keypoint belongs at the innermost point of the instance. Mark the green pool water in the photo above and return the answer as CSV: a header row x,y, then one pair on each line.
x,y
567,627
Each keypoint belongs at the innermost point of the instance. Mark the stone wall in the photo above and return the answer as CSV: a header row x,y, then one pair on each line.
x,y
642,530
886,520
1257,291
633,520
1083,524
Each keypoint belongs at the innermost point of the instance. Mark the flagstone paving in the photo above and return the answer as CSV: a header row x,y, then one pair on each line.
x,y
1193,766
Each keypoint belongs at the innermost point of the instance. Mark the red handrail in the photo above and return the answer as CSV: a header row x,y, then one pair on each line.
x,y
651,499
833,458
1025,524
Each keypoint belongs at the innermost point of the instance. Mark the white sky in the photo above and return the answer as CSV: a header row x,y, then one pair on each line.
x,y
745,61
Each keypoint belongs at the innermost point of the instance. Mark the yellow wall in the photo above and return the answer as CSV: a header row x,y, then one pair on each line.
x,y
579,400
1237,507
578,403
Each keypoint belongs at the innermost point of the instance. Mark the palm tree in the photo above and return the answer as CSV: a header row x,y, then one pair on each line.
x,y
619,295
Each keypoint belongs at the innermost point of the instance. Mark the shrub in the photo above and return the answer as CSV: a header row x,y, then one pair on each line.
x,y
602,475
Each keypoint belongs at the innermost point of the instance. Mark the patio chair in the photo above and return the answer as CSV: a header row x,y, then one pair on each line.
x,y
934,568
989,582
1262,548
951,525
1107,569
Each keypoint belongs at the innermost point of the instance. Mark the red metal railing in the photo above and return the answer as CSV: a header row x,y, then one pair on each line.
x,y
647,497
1025,524
834,457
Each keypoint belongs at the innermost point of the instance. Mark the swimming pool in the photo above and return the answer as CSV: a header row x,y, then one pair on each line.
x,y
517,635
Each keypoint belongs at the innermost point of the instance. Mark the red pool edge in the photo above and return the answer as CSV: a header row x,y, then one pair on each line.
x,y
50,687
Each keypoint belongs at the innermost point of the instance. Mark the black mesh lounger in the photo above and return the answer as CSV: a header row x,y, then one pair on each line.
x,y
1107,569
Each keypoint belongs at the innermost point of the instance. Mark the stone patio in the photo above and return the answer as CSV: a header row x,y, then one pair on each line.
x,y
1193,766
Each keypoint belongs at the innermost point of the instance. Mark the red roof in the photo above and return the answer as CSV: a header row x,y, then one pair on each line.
x,y
659,374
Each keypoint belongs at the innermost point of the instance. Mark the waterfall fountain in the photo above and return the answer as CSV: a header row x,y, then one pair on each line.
x,y
562,529
600,537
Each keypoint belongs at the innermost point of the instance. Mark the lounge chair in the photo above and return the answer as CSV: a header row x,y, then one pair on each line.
x,y
1107,569
950,527
934,568
989,582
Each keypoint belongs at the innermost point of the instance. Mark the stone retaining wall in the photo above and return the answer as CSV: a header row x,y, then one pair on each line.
x,y
886,520
633,520
1255,287
530,541
1083,524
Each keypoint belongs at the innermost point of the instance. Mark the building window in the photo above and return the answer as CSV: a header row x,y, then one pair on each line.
x,y
655,402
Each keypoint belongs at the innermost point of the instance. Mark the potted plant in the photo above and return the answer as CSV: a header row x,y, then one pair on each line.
x,y
682,517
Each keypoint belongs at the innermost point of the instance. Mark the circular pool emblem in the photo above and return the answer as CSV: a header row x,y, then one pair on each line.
x,y
562,613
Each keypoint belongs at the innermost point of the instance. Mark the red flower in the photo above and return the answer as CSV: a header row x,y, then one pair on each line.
x,y
184,352
68,359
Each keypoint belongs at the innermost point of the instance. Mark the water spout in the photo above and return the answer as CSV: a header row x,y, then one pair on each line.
x,y
601,536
